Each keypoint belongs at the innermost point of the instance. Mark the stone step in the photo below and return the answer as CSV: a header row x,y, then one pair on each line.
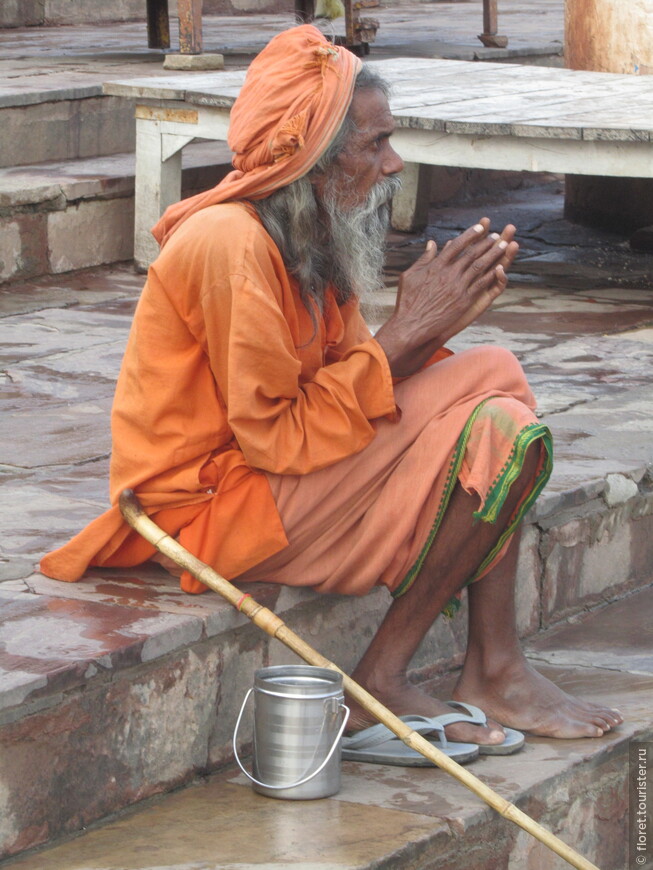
x,y
382,817
69,119
62,216
119,688
52,105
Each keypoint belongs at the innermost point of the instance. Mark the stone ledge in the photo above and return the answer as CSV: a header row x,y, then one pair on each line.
x,y
31,97
524,54
122,666
70,215
65,129
92,176
383,816
61,636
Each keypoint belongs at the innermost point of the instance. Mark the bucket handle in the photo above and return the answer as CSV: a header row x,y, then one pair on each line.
x,y
305,778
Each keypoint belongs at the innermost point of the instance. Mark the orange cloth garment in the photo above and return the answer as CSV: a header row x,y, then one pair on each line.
x,y
294,100
224,379
372,518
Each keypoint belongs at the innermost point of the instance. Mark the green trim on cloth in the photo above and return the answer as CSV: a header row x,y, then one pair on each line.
x,y
495,498
452,477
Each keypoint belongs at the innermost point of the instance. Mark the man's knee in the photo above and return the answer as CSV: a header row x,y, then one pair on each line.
x,y
504,371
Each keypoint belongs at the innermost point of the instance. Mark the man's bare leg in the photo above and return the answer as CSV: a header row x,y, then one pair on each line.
x,y
459,548
498,678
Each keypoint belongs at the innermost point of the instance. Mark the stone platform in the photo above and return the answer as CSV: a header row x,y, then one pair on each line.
x,y
120,687
386,817
119,690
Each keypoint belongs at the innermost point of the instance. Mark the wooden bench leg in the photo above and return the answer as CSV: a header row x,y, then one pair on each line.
x,y
410,207
490,37
158,24
190,26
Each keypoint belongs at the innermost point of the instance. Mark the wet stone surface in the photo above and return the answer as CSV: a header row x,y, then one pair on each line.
x,y
586,349
119,687
584,341
419,816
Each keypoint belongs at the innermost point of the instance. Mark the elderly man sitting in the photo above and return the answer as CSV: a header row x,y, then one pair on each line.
x,y
261,424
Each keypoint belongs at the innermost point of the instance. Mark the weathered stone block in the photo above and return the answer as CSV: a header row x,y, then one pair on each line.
x,y
241,653
10,249
340,629
71,751
73,243
619,489
65,12
641,540
528,585
23,246
66,128
106,126
194,61
21,13
595,557
110,743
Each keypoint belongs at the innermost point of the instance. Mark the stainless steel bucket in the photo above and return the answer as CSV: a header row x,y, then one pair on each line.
x,y
299,719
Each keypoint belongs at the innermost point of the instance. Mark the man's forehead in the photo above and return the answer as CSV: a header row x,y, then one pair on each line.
x,y
370,110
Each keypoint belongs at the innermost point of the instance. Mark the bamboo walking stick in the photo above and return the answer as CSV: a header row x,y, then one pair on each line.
x,y
136,517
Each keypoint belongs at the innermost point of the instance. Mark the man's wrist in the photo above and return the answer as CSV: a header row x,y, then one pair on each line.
x,y
405,360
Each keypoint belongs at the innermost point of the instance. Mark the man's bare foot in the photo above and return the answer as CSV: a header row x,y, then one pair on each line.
x,y
520,697
405,699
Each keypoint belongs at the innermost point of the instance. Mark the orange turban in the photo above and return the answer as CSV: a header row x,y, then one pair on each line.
x,y
294,99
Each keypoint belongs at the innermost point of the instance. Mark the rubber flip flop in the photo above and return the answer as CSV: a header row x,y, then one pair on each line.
x,y
514,739
378,745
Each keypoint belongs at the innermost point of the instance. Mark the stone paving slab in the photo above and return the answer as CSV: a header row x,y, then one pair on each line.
x,y
390,817
97,637
126,647
620,635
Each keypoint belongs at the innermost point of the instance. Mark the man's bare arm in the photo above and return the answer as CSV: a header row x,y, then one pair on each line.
x,y
441,294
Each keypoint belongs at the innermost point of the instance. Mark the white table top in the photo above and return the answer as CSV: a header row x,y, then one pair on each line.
x,y
475,98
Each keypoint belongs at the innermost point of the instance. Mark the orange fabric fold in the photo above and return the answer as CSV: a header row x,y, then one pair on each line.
x,y
371,519
294,99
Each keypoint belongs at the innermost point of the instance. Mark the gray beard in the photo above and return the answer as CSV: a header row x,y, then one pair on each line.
x,y
357,239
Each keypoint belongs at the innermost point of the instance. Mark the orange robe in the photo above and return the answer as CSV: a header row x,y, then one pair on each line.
x,y
224,378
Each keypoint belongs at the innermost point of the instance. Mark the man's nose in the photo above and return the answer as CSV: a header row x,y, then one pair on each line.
x,y
393,163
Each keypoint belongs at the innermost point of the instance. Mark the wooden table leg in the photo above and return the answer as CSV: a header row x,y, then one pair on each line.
x,y
158,185
489,37
351,36
158,24
190,26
